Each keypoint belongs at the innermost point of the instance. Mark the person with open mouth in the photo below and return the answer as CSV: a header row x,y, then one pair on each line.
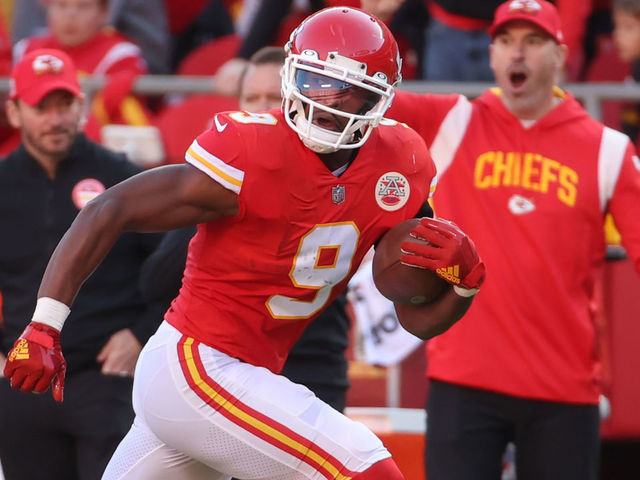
x,y
529,176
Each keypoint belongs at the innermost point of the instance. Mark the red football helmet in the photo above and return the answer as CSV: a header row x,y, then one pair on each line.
x,y
342,66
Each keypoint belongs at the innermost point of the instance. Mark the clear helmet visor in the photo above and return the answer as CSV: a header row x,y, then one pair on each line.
x,y
336,93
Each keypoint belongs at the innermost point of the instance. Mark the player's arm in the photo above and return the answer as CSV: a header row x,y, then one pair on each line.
x,y
160,199
427,321
164,198
622,204
407,108
447,246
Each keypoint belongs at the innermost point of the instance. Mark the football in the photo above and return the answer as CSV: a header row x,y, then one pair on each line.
x,y
401,283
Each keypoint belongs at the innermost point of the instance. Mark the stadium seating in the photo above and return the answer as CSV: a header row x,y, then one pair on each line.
x,y
179,124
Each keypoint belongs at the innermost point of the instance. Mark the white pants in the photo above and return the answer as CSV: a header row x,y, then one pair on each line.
x,y
201,414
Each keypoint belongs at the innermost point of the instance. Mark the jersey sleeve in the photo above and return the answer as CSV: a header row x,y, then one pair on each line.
x,y
219,153
422,112
122,57
623,204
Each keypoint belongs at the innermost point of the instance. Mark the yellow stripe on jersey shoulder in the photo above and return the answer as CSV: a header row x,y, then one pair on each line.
x,y
226,175
434,184
391,122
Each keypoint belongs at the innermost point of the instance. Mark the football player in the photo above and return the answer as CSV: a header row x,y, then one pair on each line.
x,y
287,203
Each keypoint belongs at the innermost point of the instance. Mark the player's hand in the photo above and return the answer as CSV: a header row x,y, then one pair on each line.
x,y
119,354
36,360
449,252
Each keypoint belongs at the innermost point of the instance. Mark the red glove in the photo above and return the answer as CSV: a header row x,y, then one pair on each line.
x,y
36,360
450,253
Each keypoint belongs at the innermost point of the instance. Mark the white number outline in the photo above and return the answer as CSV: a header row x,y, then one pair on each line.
x,y
250,117
306,274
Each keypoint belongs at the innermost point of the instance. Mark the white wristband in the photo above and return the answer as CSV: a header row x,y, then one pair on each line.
x,y
465,292
50,312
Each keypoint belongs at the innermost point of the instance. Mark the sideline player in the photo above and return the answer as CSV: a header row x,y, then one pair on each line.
x,y
287,204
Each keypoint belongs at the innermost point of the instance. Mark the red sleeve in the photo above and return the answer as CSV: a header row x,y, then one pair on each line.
x,y
219,152
422,112
114,53
124,65
132,64
624,202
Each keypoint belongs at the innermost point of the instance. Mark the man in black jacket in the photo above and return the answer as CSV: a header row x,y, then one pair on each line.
x,y
43,185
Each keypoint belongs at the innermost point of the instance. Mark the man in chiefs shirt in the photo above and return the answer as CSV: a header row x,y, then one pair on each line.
x,y
530,176
287,204
77,27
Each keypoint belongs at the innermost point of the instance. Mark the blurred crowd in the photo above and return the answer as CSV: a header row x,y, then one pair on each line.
x,y
118,40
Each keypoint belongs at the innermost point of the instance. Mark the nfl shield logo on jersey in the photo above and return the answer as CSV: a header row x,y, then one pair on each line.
x,y
337,194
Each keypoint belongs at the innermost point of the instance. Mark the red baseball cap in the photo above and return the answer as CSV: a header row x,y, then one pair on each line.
x,y
42,71
539,12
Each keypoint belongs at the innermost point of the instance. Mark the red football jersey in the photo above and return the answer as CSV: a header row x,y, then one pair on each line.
x,y
533,198
254,281
106,53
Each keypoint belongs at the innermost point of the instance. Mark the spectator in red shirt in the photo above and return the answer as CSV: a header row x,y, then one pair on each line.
x,y
144,22
77,28
524,365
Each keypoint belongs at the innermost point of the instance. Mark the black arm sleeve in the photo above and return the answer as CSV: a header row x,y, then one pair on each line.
x,y
425,211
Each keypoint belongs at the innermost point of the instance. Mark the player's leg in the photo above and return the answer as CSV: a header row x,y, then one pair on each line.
x,y
558,442
244,420
467,431
141,456
386,469
332,395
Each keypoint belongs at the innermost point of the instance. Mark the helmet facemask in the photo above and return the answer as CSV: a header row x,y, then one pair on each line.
x,y
311,85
